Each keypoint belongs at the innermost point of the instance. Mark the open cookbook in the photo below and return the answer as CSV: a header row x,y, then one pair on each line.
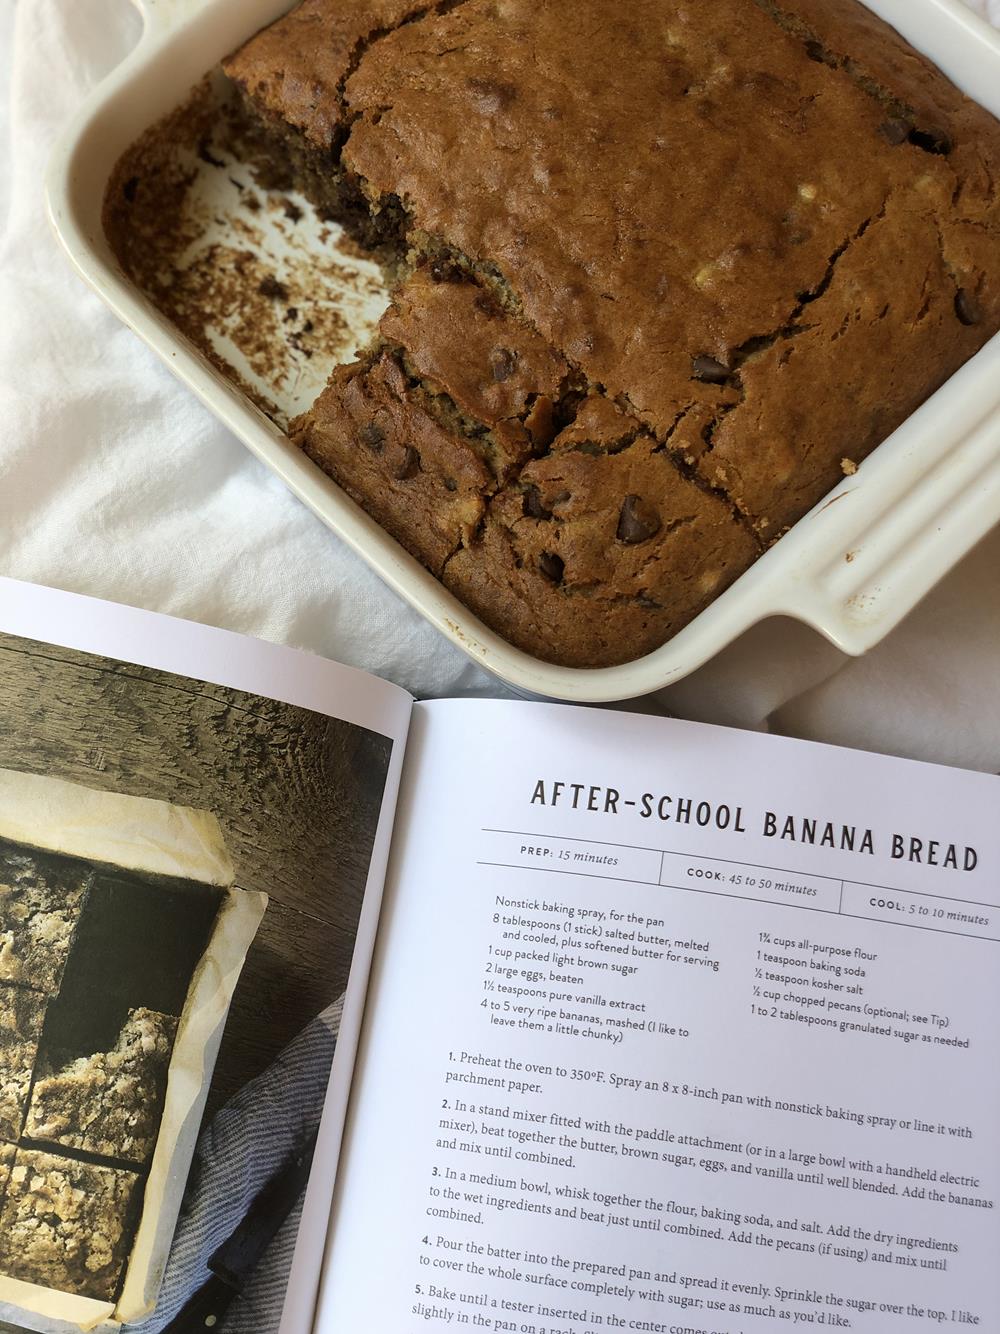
x,y
650,1026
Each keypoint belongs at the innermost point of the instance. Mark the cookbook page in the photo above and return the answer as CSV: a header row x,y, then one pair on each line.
x,y
190,823
674,1028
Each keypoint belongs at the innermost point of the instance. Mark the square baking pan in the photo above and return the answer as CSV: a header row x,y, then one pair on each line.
x,y
852,568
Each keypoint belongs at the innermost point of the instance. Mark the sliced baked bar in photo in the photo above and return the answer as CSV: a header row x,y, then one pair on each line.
x,y
108,1102
8,1152
41,898
22,1014
67,1225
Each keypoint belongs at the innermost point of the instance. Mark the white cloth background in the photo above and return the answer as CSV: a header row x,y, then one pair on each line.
x,y
114,481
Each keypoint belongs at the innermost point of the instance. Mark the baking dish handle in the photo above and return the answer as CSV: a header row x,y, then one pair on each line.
x,y
890,559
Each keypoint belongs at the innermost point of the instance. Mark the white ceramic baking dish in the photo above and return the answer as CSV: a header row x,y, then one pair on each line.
x,y
852,568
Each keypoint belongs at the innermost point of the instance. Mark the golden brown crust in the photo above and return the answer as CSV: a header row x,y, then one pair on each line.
x,y
599,548
296,67
372,431
492,367
603,551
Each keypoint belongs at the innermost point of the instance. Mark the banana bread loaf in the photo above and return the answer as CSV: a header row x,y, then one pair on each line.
x,y
662,273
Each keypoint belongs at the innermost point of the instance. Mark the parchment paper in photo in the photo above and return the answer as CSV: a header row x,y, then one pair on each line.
x,y
145,837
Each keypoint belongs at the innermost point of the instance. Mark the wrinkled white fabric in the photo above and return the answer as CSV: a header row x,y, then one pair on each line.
x,y
115,481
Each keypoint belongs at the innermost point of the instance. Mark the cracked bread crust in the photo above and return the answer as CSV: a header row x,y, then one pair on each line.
x,y
496,370
600,541
40,904
453,401
22,1014
738,194
765,239
885,308
108,1103
64,1224
603,542
295,68
372,432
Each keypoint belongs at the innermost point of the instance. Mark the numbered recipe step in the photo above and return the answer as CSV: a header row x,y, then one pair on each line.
x,y
706,1044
